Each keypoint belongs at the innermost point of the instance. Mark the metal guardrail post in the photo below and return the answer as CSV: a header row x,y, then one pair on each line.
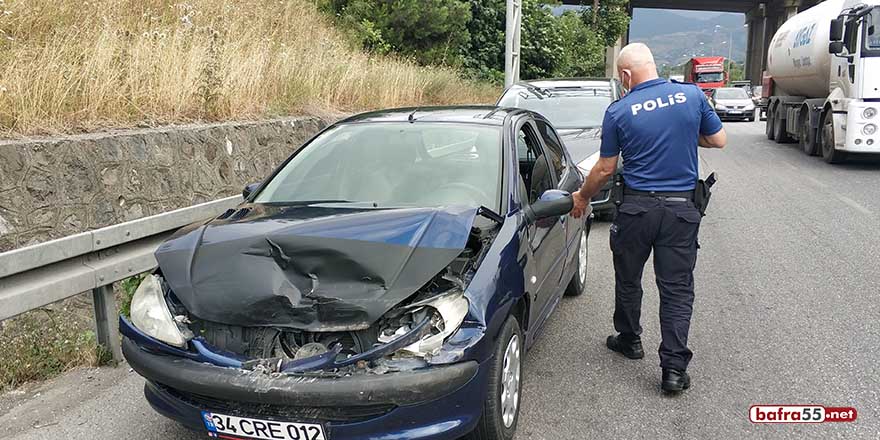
x,y
107,330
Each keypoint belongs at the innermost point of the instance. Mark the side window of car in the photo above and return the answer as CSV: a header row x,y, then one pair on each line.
x,y
533,167
554,151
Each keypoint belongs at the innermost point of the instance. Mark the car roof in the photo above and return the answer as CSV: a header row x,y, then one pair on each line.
x,y
473,114
554,83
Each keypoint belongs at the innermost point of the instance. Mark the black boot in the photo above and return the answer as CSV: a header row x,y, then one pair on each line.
x,y
674,381
631,349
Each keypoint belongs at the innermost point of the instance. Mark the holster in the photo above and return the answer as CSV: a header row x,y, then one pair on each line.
x,y
617,189
703,192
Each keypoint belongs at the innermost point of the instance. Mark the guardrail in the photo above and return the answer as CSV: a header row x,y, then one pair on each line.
x,y
34,276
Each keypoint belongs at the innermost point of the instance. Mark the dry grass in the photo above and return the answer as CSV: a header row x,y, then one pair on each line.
x,y
73,65
45,342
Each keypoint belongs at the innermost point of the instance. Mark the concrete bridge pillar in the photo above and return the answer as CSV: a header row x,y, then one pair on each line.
x,y
611,54
790,9
757,43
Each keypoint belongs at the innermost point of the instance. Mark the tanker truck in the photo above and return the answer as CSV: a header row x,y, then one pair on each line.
x,y
823,80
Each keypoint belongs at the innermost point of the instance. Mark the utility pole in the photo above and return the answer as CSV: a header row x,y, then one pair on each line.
x,y
513,26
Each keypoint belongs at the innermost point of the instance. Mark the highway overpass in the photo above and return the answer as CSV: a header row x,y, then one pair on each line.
x,y
763,18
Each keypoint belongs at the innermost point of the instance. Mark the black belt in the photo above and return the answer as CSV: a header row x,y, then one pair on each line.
x,y
672,196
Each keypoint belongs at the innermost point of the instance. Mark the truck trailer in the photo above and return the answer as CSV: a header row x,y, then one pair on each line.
x,y
706,72
823,80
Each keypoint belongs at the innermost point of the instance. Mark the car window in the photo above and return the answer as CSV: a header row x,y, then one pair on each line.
x,y
872,30
554,151
731,93
578,108
533,167
395,164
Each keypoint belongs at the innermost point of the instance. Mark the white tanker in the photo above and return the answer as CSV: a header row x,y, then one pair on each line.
x,y
823,79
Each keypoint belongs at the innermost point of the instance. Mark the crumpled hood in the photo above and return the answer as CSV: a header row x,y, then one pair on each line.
x,y
308,268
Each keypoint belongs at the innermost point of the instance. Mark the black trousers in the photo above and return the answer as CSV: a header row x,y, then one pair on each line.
x,y
669,229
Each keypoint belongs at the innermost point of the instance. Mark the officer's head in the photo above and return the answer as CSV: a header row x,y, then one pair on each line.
x,y
635,65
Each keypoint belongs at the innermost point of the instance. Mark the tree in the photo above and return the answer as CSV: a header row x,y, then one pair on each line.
x,y
583,48
483,56
431,31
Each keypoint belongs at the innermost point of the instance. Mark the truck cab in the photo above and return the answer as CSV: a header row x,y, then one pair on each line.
x,y
854,97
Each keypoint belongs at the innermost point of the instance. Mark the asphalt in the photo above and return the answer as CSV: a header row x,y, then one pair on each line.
x,y
786,313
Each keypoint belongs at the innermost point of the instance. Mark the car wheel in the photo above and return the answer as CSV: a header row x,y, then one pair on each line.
x,y
579,279
829,153
768,129
501,407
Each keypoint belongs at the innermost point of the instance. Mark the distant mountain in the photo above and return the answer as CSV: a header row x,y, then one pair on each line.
x,y
675,37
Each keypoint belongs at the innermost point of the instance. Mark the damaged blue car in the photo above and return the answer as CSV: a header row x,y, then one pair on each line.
x,y
383,283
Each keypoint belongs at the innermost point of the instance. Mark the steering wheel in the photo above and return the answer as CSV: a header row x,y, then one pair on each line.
x,y
476,194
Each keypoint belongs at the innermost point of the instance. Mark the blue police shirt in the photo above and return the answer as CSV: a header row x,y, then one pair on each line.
x,y
656,127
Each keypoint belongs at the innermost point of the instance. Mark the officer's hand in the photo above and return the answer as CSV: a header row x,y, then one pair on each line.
x,y
580,205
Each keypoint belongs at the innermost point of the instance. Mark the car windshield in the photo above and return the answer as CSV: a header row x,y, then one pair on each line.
x,y
872,26
732,93
564,109
394,164
710,77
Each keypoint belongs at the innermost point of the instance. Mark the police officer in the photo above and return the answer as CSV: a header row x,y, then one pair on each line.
x,y
657,127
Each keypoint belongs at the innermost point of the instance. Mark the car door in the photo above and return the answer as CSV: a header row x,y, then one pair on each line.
x,y
546,237
568,179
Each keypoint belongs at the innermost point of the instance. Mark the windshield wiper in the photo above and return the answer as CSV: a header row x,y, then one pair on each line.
x,y
490,214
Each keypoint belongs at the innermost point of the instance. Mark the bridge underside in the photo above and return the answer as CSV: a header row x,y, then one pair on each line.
x,y
762,19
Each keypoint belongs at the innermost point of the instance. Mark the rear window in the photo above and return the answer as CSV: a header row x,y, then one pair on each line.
x,y
736,93
579,108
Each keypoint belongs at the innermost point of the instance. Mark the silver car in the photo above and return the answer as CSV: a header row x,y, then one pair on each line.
x,y
733,103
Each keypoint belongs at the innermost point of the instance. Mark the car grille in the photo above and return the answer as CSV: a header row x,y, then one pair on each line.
x,y
345,414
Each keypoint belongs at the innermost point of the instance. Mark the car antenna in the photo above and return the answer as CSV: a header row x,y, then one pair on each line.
x,y
412,116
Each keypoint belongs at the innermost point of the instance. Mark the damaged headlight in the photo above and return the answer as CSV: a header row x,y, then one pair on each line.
x,y
151,315
446,311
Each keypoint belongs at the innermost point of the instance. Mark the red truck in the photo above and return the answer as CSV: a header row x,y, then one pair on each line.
x,y
706,72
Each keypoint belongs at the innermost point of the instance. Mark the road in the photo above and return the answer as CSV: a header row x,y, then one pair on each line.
x,y
786,312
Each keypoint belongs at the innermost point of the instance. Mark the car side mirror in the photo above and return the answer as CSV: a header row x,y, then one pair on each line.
x,y
553,203
835,47
248,189
836,33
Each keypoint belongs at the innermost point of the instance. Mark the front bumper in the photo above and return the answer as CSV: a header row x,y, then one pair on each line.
x,y
735,114
438,402
234,384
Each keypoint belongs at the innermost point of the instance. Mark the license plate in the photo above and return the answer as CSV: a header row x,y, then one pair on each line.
x,y
735,112
232,428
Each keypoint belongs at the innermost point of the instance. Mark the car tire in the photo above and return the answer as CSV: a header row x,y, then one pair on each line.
x,y
505,371
768,129
827,140
579,280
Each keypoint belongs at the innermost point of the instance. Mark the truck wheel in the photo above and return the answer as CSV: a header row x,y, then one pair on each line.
x,y
827,139
780,134
769,127
808,142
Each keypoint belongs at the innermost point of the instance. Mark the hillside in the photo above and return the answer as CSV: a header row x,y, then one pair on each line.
x,y
67,65
674,37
